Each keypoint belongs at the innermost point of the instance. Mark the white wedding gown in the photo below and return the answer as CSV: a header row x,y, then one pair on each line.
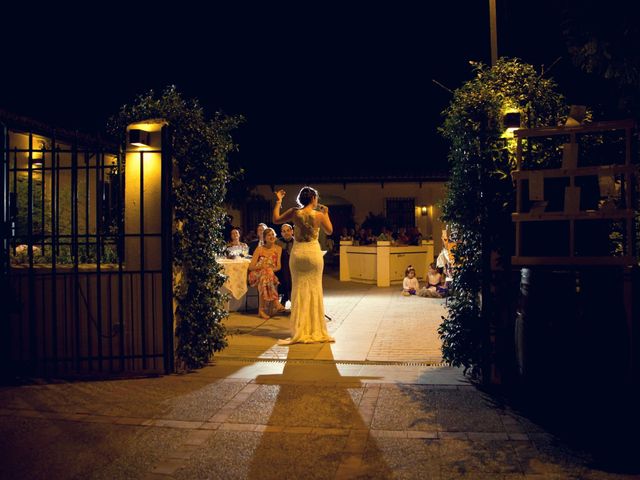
x,y
307,319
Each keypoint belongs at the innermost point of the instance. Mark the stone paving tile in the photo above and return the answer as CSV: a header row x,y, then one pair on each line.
x,y
174,396
462,457
463,398
469,420
138,453
202,403
386,458
301,405
397,410
548,460
241,455
33,448
546,454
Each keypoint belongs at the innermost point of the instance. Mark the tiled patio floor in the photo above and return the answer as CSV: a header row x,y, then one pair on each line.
x,y
369,324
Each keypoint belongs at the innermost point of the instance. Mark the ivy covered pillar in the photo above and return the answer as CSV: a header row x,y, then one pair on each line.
x,y
477,330
189,210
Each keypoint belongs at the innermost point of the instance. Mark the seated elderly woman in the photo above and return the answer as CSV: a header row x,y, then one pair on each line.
x,y
236,248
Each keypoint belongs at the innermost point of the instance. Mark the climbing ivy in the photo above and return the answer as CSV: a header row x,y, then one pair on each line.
x,y
480,194
201,173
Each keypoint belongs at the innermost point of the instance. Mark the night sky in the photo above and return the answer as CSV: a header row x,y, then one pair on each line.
x,y
326,89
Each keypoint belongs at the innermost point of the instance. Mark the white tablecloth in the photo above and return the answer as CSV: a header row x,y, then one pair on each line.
x,y
236,271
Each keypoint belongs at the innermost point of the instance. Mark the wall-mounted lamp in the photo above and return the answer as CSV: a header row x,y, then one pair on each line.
x,y
139,138
576,116
511,122
424,210
37,156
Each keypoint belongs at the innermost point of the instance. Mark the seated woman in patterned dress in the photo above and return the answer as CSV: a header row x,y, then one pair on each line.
x,y
262,275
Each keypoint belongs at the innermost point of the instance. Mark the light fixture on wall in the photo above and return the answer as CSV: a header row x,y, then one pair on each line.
x,y
139,138
424,210
511,122
38,155
576,116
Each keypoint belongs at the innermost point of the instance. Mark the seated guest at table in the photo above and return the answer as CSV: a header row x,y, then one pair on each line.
x,y
259,241
385,235
284,275
415,236
344,236
371,238
236,248
363,237
401,236
262,275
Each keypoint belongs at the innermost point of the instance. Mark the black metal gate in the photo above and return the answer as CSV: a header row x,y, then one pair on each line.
x,y
72,303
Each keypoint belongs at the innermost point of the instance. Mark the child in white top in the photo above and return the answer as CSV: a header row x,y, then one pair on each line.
x,y
410,284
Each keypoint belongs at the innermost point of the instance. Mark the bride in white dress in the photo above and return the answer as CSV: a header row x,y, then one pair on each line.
x,y
307,308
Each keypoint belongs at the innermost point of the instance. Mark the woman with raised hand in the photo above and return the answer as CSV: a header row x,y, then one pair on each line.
x,y
307,319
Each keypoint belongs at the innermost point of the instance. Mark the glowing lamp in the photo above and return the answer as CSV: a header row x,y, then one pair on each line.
x,y
37,156
139,138
511,120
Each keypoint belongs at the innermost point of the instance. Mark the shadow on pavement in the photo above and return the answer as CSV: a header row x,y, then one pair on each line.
x,y
317,425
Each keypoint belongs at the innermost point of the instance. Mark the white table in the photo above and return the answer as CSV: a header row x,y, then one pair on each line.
x,y
236,285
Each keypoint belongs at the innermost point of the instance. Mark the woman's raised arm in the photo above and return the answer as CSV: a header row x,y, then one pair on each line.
x,y
277,217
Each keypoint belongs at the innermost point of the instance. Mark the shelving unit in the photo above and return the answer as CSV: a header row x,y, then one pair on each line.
x,y
583,247
567,223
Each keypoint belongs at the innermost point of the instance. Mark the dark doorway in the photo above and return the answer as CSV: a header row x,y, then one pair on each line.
x,y
341,217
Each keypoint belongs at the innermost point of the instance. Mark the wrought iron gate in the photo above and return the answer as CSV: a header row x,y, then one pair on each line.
x,y
72,303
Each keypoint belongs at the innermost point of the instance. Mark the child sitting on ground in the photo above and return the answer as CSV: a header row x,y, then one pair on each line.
x,y
410,285
434,287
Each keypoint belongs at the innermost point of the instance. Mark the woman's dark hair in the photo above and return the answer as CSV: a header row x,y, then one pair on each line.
x,y
306,196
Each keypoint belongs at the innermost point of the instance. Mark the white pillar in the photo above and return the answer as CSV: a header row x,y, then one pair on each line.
x,y
383,278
